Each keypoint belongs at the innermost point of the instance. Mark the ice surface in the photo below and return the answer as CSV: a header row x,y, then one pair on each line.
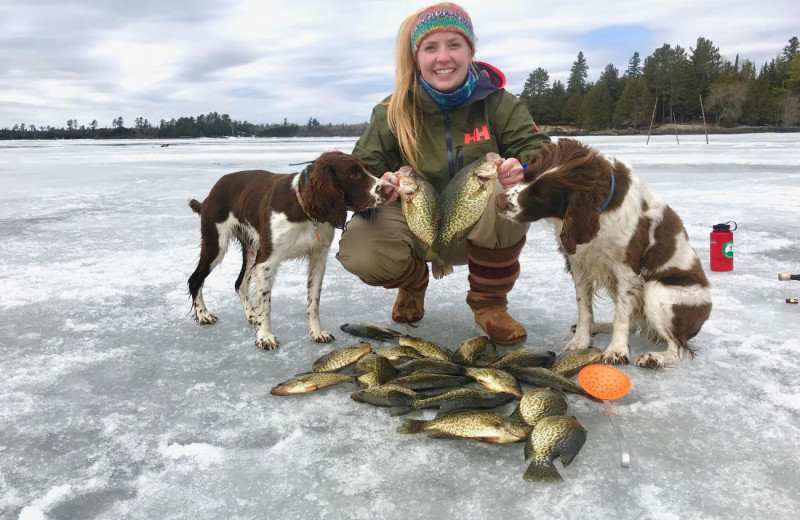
x,y
115,404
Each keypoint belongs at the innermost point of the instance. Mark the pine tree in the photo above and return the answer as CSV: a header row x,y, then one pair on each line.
x,y
576,84
597,108
634,106
792,49
706,64
610,76
634,69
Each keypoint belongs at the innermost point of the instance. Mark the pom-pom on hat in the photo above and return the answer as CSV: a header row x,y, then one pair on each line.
x,y
441,17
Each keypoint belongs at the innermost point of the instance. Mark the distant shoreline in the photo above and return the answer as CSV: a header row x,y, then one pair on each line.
x,y
556,130
552,130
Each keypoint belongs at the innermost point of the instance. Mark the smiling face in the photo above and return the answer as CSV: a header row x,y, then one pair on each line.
x,y
443,59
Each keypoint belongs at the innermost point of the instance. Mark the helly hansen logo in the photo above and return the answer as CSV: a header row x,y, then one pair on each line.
x,y
478,134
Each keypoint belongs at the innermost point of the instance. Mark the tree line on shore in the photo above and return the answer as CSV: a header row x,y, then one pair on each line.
x,y
212,124
670,85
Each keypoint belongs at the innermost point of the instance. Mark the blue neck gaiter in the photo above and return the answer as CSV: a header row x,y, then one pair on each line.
x,y
455,98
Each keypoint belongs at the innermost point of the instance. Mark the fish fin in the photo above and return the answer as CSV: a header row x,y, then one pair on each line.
x,y
567,458
444,412
401,403
528,452
395,411
442,435
448,408
490,439
542,471
412,426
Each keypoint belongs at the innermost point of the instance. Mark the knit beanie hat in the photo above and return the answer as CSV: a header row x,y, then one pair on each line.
x,y
441,17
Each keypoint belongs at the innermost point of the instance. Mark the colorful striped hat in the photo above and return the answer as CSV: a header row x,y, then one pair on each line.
x,y
441,17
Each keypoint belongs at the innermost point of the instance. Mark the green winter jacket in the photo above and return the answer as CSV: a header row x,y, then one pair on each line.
x,y
491,120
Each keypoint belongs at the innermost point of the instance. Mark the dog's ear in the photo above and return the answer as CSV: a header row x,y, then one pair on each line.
x,y
581,220
324,198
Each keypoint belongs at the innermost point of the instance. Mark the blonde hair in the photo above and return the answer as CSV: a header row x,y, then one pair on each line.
x,y
403,113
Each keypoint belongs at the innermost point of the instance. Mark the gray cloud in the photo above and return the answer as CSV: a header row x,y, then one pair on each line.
x,y
263,61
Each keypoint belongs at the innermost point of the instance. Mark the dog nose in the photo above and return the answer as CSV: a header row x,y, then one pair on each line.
x,y
386,189
502,201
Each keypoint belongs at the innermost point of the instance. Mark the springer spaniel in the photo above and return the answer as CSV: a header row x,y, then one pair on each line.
x,y
276,217
616,234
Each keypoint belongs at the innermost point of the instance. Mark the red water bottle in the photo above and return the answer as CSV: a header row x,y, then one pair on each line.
x,y
722,246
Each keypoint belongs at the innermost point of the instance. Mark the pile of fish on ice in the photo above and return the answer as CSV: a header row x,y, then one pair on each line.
x,y
416,374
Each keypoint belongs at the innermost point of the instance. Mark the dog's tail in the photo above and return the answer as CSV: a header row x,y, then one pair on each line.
x,y
196,206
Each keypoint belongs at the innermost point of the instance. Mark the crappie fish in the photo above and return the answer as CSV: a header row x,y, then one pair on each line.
x,y
559,436
482,425
537,404
525,357
460,205
398,353
370,331
425,347
311,382
472,350
379,395
495,380
423,381
430,366
540,376
573,361
375,371
418,200
452,400
338,359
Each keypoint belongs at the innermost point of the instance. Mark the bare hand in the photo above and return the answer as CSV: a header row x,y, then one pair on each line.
x,y
510,173
391,178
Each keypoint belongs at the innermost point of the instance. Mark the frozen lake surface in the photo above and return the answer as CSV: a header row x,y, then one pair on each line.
x,y
115,404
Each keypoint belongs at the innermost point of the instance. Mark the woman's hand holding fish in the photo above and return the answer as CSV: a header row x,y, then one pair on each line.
x,y
510,172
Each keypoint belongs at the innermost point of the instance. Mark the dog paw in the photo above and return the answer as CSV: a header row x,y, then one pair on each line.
x,y
268,342
322,337
615,358
649,361
205,318
577,345
656,360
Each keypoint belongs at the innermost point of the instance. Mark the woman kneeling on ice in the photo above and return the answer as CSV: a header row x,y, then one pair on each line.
x,y
446,112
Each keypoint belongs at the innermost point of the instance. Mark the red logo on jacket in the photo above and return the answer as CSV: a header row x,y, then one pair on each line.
x,y
478,134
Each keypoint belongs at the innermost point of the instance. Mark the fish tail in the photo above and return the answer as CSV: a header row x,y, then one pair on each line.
x,y
440,270
412,426
542,471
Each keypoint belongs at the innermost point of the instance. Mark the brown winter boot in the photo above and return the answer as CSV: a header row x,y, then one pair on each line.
x,y
410,304
492,273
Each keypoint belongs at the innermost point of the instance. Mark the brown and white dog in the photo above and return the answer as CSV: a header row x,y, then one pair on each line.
x,y
276,217
616,234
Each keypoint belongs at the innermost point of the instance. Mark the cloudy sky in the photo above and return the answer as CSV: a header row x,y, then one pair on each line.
x,y
266,60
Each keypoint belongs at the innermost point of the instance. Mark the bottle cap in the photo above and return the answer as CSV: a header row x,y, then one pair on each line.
x,y
726,225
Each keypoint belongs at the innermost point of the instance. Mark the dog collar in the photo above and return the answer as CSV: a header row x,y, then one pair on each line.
x,y
314,221
608,200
